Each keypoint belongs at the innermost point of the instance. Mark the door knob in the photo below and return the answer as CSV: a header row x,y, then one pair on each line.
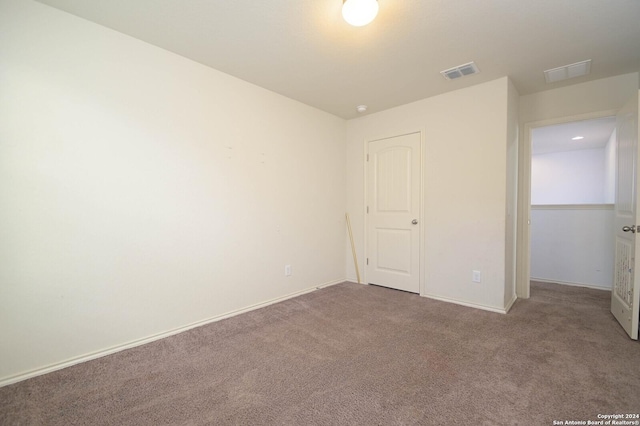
x,y
631,228
414,221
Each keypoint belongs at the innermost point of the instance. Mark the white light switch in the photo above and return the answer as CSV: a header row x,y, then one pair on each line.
x,y
476,277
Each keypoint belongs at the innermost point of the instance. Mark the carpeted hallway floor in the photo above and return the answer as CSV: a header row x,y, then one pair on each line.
x,y
358,355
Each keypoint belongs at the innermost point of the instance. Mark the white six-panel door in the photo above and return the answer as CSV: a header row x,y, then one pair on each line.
x,y
393,217
626,283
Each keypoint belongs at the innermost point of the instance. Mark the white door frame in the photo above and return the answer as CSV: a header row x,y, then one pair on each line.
x,y
523,236
365,150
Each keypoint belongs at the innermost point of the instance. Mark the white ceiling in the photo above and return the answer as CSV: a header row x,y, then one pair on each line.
x,y
545,140
303,49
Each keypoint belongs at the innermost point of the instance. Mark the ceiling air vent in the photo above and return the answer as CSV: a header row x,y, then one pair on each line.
x,y
460,71
568,71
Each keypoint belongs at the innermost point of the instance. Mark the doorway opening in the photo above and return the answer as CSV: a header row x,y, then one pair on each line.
x,y
573,170
564,197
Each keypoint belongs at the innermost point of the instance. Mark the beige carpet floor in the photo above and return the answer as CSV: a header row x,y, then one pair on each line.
x,y
358,355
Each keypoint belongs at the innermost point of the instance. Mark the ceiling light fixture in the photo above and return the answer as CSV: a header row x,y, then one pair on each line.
x,y
359,12
577,138
361,108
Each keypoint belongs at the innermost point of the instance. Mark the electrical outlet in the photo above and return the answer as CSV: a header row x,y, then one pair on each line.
x,y
476,276
287,270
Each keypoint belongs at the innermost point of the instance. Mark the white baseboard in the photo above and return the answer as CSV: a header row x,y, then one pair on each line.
x,y
595,287
132,344
354,280
510,304
463,303
469,304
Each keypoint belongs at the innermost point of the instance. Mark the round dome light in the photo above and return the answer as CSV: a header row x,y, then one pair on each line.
x,y
359,12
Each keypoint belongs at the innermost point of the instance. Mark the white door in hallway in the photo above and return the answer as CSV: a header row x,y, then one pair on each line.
x,y
393,212
626,283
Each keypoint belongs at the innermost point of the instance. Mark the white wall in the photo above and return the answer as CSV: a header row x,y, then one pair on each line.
x,y
512,195
610,161
571,177
142,192
573,244
465,189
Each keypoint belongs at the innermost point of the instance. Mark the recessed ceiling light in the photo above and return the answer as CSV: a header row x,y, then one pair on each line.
x,y
577,138
361,108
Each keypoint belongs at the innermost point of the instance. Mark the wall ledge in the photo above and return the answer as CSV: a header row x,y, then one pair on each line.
x,y
572,206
